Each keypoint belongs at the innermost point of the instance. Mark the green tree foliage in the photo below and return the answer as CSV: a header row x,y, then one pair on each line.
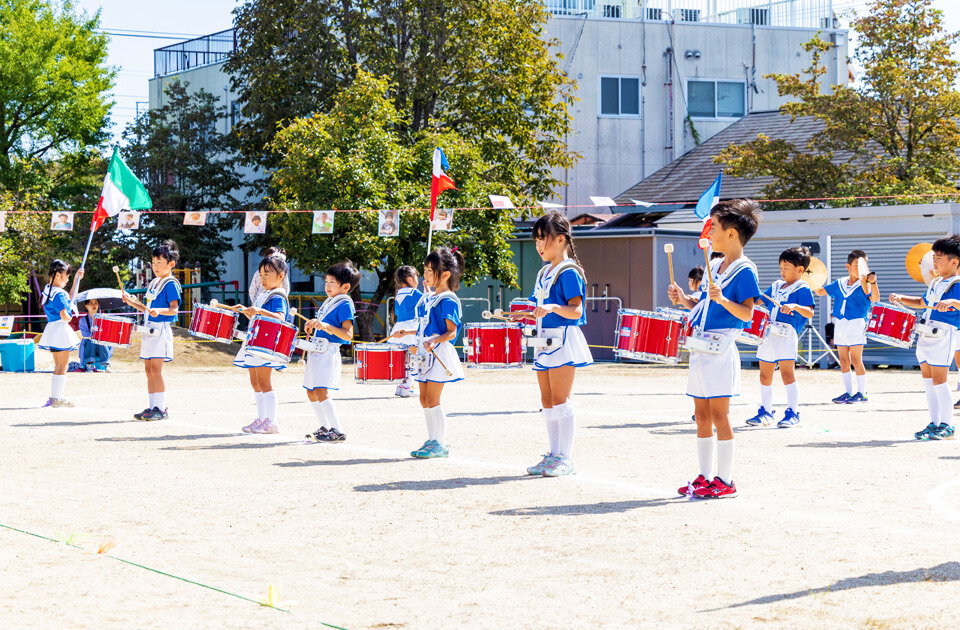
x,y
481,70
896,133
354,157
187,165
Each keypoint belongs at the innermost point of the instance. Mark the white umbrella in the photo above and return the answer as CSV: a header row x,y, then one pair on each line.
x,y
109,299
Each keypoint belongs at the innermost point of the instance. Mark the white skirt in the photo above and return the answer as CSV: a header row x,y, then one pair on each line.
x,y
573,350
715,375
158,346
406,340
323,369
58,336
777,348
249,360
432,372
850,332
937,351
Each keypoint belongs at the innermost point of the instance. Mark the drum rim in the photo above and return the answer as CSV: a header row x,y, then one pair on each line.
x,y
216,309
114,318
493,325
399,347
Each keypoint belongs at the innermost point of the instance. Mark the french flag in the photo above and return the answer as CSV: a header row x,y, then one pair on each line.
x,y
707,201
440,181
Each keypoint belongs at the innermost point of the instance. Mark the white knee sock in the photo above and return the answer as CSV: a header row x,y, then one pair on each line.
x,y
261,405
151,401
161,400
330,411
862,384
847,381
270,405
553,430
944,403
932,405
705,456
440,420
567,423
766,397
793,396
317,407
57,385
431,425
725,449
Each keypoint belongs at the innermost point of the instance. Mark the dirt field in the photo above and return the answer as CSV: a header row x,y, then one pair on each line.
x,y
841,522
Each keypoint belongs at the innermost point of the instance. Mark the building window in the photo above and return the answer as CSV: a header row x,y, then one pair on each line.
x,y
716,99
619,96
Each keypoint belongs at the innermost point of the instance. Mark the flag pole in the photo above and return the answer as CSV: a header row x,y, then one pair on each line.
x,y
87,250
429,237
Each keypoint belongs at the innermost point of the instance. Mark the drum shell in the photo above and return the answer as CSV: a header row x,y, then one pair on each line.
x,y
757,330
891,325
271,338
656,336
493,345
112,331
380,362
520,305
216,324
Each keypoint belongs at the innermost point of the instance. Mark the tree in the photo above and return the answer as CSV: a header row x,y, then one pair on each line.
x,y
355,158
481,70
894,134
187,165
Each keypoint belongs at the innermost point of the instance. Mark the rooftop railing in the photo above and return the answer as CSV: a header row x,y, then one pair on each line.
x,y
194,53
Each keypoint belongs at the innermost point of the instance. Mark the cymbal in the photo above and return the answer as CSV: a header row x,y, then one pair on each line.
x,y
926,268
816,274
914,257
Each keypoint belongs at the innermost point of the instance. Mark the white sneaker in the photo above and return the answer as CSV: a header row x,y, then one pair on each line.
x,y
406,392
253,426
267,426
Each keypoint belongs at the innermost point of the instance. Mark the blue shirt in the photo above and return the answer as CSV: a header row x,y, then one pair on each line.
x,y
169,293
947,317
569,284
405,306
58,301
801,296
853,306
743,286
447,309
344,311
277,304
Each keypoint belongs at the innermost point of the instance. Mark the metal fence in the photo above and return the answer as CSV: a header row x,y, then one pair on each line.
x,y
194,53
792,13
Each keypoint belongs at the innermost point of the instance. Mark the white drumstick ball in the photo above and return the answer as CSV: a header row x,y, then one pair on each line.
x,y
668,248
486,314
213,302
704,243
498,312
116,269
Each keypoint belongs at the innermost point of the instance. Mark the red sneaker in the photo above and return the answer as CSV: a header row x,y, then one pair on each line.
x,y
717,489
696,484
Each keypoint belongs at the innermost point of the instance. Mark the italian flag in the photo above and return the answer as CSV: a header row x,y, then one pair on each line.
x,y
440,180
121,191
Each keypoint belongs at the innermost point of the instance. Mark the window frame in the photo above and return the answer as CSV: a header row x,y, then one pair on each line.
x,y
715,116
620,78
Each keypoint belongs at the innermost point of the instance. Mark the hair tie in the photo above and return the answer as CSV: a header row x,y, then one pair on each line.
x,y
454,249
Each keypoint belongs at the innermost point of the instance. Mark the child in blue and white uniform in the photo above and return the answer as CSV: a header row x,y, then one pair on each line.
x,y
405,310
560,295
938,330
695,284
334,323
852,297
160,311
791,305
439,327
94,357
271,302
714,377
58,336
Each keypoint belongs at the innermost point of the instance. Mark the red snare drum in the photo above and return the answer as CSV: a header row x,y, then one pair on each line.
x,y
754,333
271,338
210,322
523,305
493,345
380,362
111,330
656,337
891,325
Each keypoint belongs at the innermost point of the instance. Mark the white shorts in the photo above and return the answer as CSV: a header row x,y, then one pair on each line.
x,y
433,372
573,350
406,340
59,336
715,375
158,346
937,351
323,369
850,332
777,348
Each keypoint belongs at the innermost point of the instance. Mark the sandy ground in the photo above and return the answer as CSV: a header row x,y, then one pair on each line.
x,y
841,522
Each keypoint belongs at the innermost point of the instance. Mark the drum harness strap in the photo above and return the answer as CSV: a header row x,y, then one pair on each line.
x,y
153,290
50,291
933,295
780,292
431,301
548,277
722,279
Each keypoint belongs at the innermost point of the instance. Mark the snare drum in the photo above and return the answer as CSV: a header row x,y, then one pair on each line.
x,y
891,325
210,322
654,337
270,338
757,330
523,305
112,331
493,345
380,362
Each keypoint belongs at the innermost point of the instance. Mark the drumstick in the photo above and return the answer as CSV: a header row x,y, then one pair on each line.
x,y
116,271
489,315
442,364
704,244
668,248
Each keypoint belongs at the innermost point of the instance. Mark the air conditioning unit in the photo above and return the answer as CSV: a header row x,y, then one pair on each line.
x,y
611,11
689,15
753,15
654,14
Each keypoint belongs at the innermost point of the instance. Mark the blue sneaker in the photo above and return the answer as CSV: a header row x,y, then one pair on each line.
x,y
842,399
925,433
538,468
424,451
858,397
436,450
790,419
559,467
943,432
762,419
